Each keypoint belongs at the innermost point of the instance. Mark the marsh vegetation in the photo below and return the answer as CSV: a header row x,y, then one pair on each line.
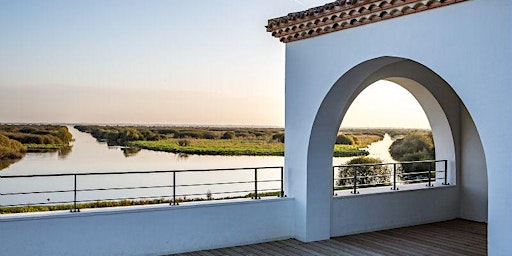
x,y
16,140
414,146
222,140
92,155
408,145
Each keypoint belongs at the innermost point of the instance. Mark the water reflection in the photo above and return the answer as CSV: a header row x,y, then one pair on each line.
x,y
183,155
4,163
64,152
130,151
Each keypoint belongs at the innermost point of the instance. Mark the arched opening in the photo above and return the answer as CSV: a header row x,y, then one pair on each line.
x,y
452,129
391,135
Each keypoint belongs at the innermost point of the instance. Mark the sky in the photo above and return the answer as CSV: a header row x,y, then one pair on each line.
x,y
160,62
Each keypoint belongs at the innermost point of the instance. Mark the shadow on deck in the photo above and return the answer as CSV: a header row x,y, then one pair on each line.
x,y
455,237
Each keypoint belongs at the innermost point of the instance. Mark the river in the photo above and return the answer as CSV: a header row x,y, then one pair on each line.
x,y
88,155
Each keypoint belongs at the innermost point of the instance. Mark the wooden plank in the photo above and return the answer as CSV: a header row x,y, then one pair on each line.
x,y
327,250
456,237
443,236
353,249
292,243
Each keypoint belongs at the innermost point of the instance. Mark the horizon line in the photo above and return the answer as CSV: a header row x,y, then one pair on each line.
x,y
193,125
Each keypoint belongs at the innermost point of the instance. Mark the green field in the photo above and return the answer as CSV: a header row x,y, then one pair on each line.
x,y
251,147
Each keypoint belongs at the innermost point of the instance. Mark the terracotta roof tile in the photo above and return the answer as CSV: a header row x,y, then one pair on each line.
x,y
344,14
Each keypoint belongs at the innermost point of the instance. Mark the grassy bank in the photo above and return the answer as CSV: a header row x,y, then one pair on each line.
x,y
106,204
219,140
232,147
45,147
214,147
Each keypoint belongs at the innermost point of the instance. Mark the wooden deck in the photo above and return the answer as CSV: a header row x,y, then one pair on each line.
x,y
456,237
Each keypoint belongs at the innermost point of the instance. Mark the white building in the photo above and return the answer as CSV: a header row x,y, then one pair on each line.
x,y
455,57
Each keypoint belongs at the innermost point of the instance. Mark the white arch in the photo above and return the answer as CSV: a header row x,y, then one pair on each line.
x,y
476,62
441,105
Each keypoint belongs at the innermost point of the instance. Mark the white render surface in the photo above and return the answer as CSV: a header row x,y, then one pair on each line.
x,y
468,45
351,215
147,230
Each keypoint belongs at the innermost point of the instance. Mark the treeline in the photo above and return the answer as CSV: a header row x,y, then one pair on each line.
x,y
121,135
37,134
360,136
16,140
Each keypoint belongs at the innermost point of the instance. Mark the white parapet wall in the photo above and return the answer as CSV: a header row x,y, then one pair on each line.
x,y
147,230
372,211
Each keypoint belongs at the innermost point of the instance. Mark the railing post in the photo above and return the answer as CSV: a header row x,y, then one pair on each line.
x,y
174,189
394,177
282,181
334,181
256,183
445,173
355,182
429,174
75,209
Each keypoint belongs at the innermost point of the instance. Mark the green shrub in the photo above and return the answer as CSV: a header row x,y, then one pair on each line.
x,y
228,135
367,174
344,140
279,137
183,143
209,136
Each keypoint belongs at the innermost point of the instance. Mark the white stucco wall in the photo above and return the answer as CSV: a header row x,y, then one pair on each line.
x,y
466,44
147,230
350,214
473,174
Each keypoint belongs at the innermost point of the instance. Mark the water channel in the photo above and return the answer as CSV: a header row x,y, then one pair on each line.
x,y
90,156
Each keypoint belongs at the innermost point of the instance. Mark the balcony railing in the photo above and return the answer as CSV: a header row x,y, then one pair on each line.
x,y
173,186
359,176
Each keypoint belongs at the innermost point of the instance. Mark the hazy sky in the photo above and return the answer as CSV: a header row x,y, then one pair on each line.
x,y
158,62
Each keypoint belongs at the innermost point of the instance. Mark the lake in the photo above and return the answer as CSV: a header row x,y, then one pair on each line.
x,y
88,155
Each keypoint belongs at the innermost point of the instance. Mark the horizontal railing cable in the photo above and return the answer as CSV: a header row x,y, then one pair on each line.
x,y
354,176
176,188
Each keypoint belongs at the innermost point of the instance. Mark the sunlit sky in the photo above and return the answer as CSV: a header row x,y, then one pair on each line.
x,y
160,62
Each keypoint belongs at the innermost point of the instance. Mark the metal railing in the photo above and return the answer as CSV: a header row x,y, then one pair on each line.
x,y
244,183
358,176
